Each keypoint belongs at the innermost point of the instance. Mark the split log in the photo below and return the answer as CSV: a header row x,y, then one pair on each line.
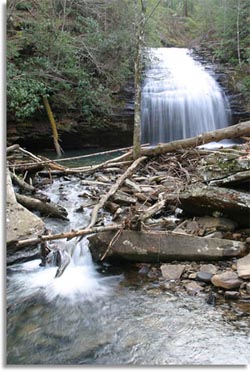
x,y
123,198
200,199
45,208
235,131
68,235
113,189
237,178
157,246
152,210
21,183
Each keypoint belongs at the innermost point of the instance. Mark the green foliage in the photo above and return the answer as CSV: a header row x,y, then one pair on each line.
x,y
75,51
81,53
23,94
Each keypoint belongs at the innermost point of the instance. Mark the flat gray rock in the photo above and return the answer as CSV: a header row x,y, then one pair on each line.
x,y
243,267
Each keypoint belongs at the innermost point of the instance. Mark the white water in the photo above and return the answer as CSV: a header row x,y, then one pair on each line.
x,y
80,280
180,99
84,317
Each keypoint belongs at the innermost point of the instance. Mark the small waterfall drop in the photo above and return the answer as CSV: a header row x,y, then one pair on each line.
x,y
180,99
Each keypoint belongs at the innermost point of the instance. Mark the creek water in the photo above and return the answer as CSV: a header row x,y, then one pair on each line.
x,y
104,315
180,97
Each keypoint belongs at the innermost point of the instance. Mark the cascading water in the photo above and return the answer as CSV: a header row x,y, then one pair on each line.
x,y
180,99
88,316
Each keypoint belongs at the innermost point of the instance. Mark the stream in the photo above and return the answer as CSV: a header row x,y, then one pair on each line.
x,y
104,315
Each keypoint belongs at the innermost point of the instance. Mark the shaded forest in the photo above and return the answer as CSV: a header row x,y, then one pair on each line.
x,y
80,53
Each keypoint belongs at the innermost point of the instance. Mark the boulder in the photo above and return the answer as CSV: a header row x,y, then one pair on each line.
x,y
20,222
155,246
227,280
243,267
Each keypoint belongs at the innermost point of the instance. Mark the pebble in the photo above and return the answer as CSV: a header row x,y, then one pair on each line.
x,y
232,295
193,288
209,268
204,277
172,271
211,299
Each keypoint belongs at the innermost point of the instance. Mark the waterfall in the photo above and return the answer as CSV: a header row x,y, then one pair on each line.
x,y
180,99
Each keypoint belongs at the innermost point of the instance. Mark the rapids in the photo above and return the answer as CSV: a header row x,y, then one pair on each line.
x,y
104,315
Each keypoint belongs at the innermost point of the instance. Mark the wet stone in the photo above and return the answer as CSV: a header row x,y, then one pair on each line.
x,y
144,270
243,267
232,295
172,272
211,299
227,280
204,277
209,268
193,287
192,276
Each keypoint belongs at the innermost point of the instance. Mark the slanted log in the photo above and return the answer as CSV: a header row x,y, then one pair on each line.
x,y
68,235
158,246
201,199
113,189
235,131
22,184
45,208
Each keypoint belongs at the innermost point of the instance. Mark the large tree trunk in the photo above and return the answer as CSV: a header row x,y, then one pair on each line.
x,y
138,71
45,208
235,131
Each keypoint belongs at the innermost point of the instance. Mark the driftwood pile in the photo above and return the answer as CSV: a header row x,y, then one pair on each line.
x,y
173,193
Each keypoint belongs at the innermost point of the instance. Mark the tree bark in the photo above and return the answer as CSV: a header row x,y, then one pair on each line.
x,y
53,126
113,189
235,131
138,71
21,183
45,208
68,235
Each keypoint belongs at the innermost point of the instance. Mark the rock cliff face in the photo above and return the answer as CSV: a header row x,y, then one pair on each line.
x,y
116,130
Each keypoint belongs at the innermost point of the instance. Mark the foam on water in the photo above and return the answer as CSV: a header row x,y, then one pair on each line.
x,y
80,280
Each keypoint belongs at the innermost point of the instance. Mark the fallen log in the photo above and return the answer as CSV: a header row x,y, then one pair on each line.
x,y
157,246
235,131
113,189
68,235
22,184
45,208
152,210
